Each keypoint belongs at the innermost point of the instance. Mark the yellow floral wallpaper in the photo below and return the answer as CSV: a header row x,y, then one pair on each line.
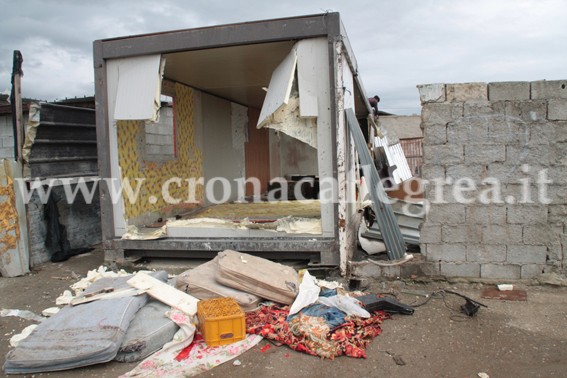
x,y
187,164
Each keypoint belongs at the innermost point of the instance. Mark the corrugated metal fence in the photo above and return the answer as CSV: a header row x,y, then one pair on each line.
x,y
413,149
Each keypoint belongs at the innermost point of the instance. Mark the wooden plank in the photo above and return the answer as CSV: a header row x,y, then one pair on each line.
x,y
165,293
106,294
280,86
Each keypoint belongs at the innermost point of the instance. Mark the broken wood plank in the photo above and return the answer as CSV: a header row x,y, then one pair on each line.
x,y
165,293
105,295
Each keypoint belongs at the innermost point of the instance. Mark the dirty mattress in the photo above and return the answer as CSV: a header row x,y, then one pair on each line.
x,y
81,335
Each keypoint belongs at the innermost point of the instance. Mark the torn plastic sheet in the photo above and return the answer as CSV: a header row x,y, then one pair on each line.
x,y
24,314
308,294
94,275
31,131
348,305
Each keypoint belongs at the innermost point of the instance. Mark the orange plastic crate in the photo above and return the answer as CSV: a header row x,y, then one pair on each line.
x,y
221,321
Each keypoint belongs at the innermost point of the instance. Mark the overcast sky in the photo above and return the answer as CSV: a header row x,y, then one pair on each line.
x,y
398,44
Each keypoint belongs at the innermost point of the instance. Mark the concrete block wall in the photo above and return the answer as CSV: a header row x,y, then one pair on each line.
x,y
495,170
6,137
159,137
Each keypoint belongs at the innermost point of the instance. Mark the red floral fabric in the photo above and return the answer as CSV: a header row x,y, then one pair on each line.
x,y
311,335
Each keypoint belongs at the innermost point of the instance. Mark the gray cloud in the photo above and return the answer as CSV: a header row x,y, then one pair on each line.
x,y
397,44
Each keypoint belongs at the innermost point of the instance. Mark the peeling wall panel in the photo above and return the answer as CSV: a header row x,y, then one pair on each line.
x,y
138,99
280,87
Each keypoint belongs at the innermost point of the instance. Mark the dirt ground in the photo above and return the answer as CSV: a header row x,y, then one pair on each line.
x,y
507,339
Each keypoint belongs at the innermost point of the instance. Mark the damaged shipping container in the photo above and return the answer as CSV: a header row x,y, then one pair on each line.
x,y
230,137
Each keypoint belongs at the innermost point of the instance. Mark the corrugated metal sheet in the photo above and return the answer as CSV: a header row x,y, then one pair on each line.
x,y
396,157
413,150
385,217
65,143
409,216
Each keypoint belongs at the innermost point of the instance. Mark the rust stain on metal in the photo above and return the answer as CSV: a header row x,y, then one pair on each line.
x,y
10,228
342,223
508,295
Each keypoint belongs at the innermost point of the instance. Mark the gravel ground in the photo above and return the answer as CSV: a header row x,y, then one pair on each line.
x,y
507,339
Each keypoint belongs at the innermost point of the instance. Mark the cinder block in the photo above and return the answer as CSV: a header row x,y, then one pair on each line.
x,y
527,214
486,253
446,252
460,270
446,214
440,114
429,233
508,173
6,129
557,213
491,214
419,267
557,193
557,250
8,141
520,194
509,90
526,111
546,89
443,154
557,109
478,108
460,191
6,153
509,272
538,235
530,154
498,235
473,130
560,131
557,174
561,154
463,233
432,171
435,134
531,271
466,92
485,154
431,93
526,254
506,130
475,172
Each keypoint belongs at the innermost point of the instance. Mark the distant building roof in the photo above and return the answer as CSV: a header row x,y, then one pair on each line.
x,y
78,102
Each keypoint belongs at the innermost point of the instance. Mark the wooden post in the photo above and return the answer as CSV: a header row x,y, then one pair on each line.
x,y
16,104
